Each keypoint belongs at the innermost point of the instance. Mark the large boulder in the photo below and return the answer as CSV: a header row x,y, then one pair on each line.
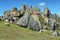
x,y
23,21
52,23
30,21
34,23
25,18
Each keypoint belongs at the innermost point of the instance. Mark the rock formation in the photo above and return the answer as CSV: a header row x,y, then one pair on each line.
x,y
46,14
30,20
33,18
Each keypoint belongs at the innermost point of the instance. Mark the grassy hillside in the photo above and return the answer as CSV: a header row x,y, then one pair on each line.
x,y
14,32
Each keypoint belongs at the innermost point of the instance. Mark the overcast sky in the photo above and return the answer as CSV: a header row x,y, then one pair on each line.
x,y
53,5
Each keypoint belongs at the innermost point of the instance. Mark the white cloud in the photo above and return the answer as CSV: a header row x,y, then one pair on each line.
x,y
41,4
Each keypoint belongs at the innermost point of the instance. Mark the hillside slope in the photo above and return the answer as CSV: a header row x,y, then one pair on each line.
x,y
14,32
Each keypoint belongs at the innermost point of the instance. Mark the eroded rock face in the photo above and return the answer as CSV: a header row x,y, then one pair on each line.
x,y
31,21
46,14
34,23
53,24
23,21
6,14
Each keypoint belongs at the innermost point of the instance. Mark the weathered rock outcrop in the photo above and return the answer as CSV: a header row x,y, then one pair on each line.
x,y
46,14
34,23
52,23
23,21
30,21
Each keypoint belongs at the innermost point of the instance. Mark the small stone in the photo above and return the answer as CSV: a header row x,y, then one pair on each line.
x,y
10,21
40,31
6,20
7,24
55,33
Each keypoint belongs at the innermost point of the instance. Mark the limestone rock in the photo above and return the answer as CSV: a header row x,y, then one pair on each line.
x,y
40,31
34,23
52,24
7,24
14,9
6,20
31,21
46,14
55,33
23,21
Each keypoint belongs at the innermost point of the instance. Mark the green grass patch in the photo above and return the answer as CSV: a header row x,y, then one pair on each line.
x,y
15,32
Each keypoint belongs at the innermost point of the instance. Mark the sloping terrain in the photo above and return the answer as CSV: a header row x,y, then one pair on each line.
x,y
14,32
